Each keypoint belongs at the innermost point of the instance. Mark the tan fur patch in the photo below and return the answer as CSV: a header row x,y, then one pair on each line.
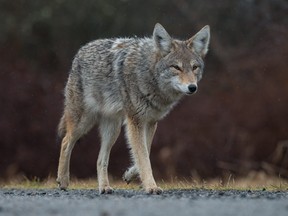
x,y
175,45
120,46
69,124
187,78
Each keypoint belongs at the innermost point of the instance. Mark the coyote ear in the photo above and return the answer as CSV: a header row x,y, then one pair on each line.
x,y
162,39
199,42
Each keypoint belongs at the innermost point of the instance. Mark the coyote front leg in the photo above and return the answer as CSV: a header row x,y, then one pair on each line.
x,y
132,172
136,135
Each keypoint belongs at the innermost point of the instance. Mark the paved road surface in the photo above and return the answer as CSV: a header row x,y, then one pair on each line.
x,y
130,203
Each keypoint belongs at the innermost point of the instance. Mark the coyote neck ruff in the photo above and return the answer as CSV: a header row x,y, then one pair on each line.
x,y
135,81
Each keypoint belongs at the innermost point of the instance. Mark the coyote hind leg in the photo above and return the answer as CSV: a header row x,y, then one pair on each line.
x,y
109,131
67,145
73,131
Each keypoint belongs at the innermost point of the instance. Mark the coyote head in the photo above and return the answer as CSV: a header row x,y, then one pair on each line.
x,y
180,64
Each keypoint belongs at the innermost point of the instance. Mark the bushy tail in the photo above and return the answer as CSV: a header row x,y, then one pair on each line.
x,y
62,128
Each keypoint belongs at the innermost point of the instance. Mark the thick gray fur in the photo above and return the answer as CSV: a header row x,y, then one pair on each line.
x,y
127,81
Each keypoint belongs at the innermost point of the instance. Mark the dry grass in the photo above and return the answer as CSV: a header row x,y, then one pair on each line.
x,y
50,183
254,181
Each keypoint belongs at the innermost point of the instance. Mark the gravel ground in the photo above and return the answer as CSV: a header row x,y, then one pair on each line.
x,y
130,202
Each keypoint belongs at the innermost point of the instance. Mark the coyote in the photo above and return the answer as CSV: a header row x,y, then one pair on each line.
x,y
127,81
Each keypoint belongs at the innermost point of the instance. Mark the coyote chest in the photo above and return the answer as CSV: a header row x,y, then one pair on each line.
x,y
152,108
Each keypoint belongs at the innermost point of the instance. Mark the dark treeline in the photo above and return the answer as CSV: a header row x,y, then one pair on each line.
x,y
236,123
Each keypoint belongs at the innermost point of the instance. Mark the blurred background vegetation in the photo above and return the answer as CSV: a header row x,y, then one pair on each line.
x,y
236,124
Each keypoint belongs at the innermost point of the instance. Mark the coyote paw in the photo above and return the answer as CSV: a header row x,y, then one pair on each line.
x,y
106,190
63,182
154,190
130,174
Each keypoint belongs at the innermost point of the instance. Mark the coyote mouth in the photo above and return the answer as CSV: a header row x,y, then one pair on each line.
x,y
190,93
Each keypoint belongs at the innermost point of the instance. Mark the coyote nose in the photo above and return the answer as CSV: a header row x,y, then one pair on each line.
x,y
192,88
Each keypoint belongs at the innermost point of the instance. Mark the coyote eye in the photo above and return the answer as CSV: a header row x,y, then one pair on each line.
x,y
176,67
195,67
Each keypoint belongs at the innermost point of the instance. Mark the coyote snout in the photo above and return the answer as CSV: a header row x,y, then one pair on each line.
x,y
133,82
188,89
192,88
188,86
